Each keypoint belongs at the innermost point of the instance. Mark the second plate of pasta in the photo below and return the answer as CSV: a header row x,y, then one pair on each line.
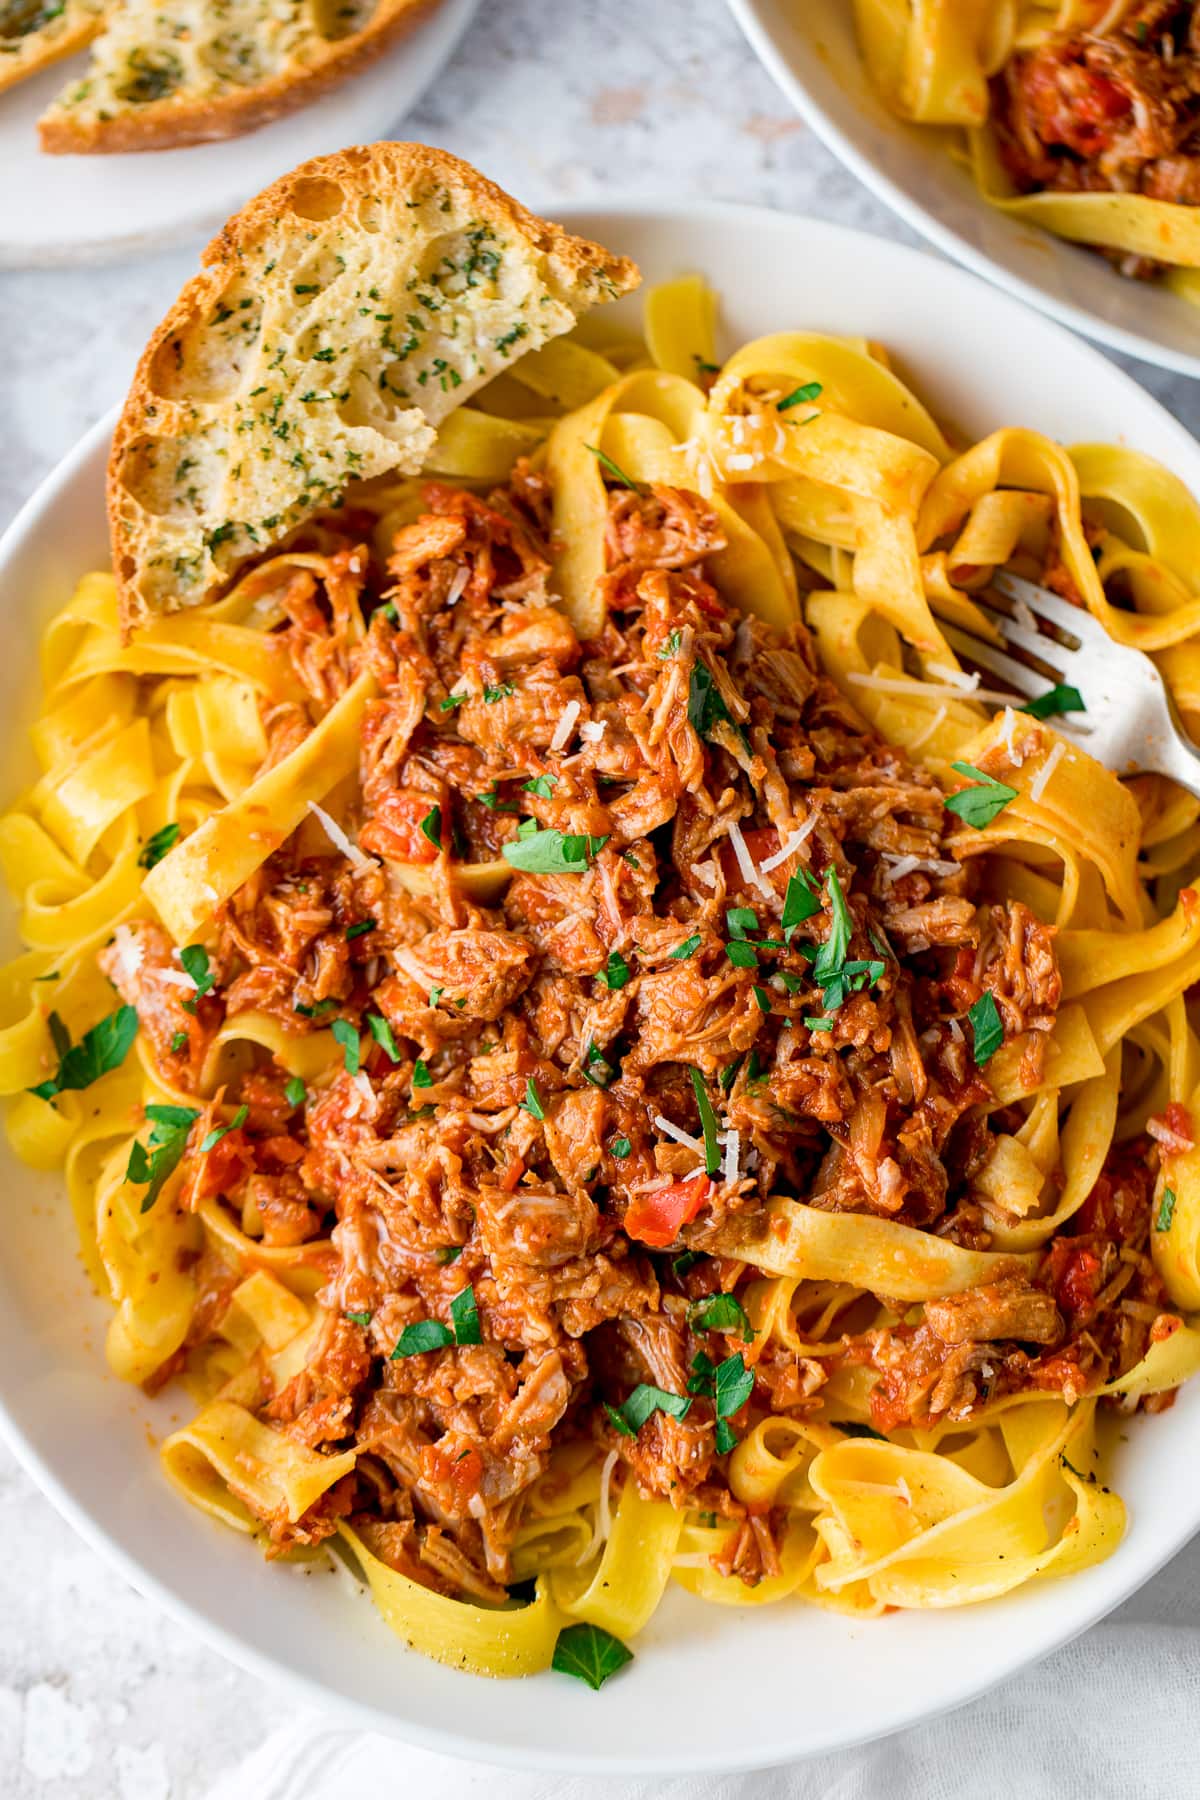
x,y
893,1404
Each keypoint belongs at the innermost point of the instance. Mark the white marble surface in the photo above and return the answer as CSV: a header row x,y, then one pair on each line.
x,y
561,101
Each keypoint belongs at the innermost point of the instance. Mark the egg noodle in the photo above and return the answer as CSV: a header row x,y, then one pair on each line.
x,y
932,61
852,508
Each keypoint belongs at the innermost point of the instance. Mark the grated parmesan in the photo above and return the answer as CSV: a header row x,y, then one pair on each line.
x,y
900,866
791,845
566,725
955,678
592,730
745,862
458,586
1037,786
173,977
127,959
677,1136
338,838
705,873
895,684
733,1142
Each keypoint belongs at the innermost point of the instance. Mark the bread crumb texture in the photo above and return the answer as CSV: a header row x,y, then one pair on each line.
x,y
341,316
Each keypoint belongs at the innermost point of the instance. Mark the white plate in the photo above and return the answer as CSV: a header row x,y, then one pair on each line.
x,y
775,1682
809,47
81,209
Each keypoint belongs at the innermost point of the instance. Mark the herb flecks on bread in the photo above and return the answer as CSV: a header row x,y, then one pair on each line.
x,y
171,72
339,318
36,33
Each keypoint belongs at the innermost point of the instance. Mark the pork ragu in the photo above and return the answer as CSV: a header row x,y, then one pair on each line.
x,y
735,957
1115,110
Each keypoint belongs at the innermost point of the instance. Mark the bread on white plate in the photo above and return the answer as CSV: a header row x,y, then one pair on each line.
x,y
36,33
169,72
338,319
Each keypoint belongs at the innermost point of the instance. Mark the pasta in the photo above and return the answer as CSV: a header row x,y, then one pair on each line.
x,y
1075,115
628,1068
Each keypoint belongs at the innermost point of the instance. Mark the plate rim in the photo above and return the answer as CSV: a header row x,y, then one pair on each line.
x,y
437,37
750,15
1142,1561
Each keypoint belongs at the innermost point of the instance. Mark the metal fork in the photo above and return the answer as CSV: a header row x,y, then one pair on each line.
x,y
1130,723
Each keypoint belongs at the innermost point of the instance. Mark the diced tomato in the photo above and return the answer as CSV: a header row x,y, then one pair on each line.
x,y
394,829
762,841
1071,104
1079,1281
657,1217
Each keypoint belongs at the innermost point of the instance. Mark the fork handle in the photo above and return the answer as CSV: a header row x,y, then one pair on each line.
x,y
1175,756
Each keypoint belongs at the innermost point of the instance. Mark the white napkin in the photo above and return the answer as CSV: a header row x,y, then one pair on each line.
x,y
1111,1717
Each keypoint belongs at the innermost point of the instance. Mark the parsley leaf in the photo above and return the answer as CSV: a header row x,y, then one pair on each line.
x,y
620,1148
986,1028
689,947
499,690
361,929
761,999
194,958
721,1312
447,1254
611,468
168,1140
644,1400
451,701
552,852
431,826
358,1318
345,1035
671,646
532,1103
381,1031
978,806
615,973
589,1653
733,1384
295,1092
1166,1210
102,1048
811,390
219,1131
596,1067
157,845
466,1317
828,965
179,1041
708,1122
741,920
802,901
426,1334
705,705
420,1075
1059,699
742,955
541,785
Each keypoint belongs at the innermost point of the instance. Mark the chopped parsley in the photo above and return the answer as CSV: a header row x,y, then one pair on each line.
x,y
762,999
728,1384
671,646
644,1400
706,708
596,1068
986,1028
219,1131
687,948
465,1315
295,1093
538,852
152,1164
1166,1210
426,1334
819,1024
620,1148
360,929
742,955
157,845
345,1035
1058,699
802,901
589,1653
381,1031
615,973
811,390
978,806
532,1103
720,1312
741,920
179,1041
194,958
420,1075
451,701
449,1253
541,785
500,690
611,468
103,1048
708,1123
687,1260
431,826
358,1318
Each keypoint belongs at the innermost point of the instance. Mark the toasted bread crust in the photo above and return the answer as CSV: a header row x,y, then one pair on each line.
x,y
379,174
179,120
72,29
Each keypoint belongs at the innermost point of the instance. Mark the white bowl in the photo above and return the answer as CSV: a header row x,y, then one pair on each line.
x,y
90,209
711,1687
809,47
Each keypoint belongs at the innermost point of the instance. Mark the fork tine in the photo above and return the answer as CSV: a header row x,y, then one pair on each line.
x,y
1026,681
1072,620
1037,647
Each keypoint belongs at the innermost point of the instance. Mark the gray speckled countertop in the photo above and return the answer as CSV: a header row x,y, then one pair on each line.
x,y
100,1696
